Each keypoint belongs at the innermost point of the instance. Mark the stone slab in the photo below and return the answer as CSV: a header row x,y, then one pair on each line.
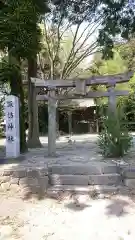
x,y
129,183
43,171
44,182
19,173
14,181
91,169
26,192
15,188
23,182
32,181
5,186
56,179
6,172
105,179
29,182
32,173
83,189
4,179
70,188
128,173
108,168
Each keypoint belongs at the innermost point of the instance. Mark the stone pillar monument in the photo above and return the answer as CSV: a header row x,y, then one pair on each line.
x,y
12,127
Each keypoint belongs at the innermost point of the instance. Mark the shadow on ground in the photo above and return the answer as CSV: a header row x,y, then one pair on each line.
x,y
117,207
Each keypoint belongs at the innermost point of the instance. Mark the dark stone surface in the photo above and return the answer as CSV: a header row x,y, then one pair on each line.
x,y
84,169
4,160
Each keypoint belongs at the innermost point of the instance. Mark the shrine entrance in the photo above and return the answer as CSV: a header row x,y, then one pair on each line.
x,y
55,91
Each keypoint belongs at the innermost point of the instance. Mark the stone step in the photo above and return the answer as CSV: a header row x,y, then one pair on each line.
x,y
55,191
84,180
86,169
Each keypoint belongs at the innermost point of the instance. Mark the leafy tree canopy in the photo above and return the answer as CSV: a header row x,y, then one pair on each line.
x,y
117,18
18,22
75,10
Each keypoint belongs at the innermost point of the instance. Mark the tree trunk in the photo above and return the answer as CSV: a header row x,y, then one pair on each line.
x,y
33,133
70,123
57,122
23,144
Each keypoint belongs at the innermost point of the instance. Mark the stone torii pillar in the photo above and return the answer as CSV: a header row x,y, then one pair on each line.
x,y
111,98
52,105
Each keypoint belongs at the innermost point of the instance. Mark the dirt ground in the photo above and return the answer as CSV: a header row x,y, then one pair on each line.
x,y
49,219
112,218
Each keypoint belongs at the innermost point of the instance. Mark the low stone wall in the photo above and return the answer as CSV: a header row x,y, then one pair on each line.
x,y
25,181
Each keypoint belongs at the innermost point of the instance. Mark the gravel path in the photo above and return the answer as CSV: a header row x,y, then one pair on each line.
x,y
99,219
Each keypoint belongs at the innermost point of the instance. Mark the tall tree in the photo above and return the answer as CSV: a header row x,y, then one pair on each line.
x,y
33,134
18,25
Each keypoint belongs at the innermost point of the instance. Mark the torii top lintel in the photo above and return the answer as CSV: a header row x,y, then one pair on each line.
x,y
94,80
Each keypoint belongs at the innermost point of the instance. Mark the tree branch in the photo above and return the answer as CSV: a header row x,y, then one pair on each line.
x,y
83,56
72,49
47,41
58,38
98,24
73,53
79,60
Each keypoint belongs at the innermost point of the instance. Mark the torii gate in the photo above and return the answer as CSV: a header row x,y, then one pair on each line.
x,y
81,92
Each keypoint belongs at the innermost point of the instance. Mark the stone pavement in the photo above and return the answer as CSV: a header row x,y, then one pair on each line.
x,y
82,150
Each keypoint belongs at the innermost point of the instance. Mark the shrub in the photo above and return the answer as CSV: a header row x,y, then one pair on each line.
x,y
114,140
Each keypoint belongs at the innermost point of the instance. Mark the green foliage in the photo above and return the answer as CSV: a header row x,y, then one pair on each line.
x,y
19,31
115,65
46,59
118,19
76,11
128,105
20,38
112,66
127,53
8,70
114,140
